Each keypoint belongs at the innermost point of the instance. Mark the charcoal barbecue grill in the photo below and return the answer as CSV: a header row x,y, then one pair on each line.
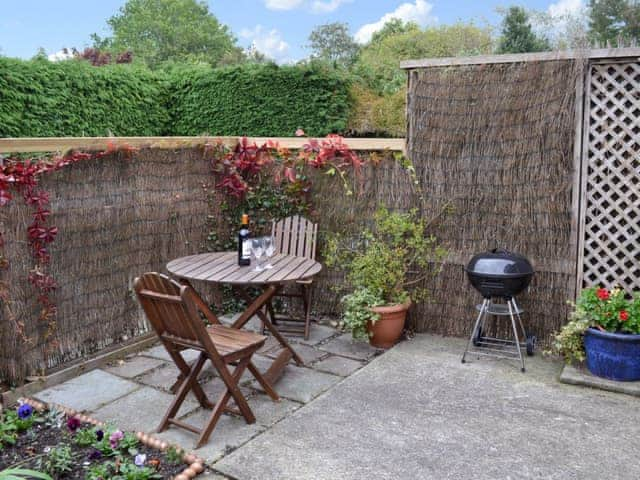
x,y
499,275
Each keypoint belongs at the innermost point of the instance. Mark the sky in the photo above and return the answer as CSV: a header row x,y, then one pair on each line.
x,y
277,28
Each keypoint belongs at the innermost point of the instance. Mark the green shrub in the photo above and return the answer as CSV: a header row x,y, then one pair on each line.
x,y
39,98
258,100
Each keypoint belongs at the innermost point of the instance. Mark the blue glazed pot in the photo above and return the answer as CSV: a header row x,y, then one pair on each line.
x,y
615,356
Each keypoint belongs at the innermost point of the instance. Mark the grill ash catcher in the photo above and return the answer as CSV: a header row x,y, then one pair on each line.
x,y
500,275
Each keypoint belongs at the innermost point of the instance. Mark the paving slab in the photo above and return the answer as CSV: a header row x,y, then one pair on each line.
x,y
161,353
141,410
306,352
162,378
338,365
417,412
166,375
268,412
269,345
211,476
135,366
579,375
317,334
302,384
88,391
230,433
215,387
262,363
254,324
348,347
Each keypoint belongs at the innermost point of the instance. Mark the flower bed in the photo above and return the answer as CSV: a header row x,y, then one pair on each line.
x,y
63,444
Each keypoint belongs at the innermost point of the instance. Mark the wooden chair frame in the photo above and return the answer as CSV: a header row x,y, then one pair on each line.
x,y
297,236
172,310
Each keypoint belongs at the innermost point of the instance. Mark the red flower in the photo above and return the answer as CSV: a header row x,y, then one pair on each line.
x,y
603,294
624,316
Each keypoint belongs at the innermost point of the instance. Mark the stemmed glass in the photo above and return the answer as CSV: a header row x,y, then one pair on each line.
x,y
269,250
257,249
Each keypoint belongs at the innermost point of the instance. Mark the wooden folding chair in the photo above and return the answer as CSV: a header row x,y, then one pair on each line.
x,y
172,310
296,235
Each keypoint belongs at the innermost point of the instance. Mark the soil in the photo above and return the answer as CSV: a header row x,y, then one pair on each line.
x,y
33,445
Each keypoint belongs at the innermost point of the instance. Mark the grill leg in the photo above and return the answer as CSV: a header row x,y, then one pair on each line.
x,y
515,331
481,315
515,307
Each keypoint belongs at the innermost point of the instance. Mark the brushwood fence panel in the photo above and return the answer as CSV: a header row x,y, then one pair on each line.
x,y
496,143
610,247
117,217
537,153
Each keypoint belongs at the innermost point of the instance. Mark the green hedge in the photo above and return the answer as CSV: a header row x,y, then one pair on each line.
x,y
39,98
259,100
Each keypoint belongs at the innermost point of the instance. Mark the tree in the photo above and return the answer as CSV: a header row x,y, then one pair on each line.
x,y
517,34
614,20
378,64
564,31
158,31
380,92
395,26
332,42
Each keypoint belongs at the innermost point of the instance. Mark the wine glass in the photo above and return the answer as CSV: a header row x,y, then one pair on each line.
x,y
269,250
257,249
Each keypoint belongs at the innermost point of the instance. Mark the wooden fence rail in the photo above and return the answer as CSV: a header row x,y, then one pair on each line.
x,y
62,144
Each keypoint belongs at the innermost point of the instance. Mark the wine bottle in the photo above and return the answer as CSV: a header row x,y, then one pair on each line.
x,y
244,244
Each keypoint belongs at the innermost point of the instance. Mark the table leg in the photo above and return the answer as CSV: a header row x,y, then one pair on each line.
x,y
255,308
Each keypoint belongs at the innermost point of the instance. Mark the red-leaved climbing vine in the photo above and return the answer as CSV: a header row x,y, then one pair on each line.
x,y
19,177
238,167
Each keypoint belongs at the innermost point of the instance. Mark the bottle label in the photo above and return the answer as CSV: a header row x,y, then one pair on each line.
x,y
246,249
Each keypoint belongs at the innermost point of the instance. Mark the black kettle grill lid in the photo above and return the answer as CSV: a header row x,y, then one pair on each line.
x,y
500,262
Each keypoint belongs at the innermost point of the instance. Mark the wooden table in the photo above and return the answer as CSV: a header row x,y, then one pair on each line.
x,y
223,268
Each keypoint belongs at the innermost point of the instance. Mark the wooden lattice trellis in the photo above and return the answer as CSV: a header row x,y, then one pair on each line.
x,y
610,244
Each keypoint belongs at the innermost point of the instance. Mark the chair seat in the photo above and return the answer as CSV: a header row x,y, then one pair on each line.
x,y
229,341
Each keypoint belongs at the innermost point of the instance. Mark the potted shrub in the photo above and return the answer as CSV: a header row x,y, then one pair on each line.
x,y
385,267
604,332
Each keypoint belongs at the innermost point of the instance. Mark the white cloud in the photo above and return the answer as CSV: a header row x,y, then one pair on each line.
x,y
418,12
316,6
64,54
268,42
565,7
282,4
327,6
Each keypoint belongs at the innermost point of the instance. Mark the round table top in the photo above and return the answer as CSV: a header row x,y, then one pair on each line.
x,y
222,267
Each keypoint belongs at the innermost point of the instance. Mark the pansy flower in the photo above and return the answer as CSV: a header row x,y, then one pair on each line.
x,y
73,423
114,439
25,411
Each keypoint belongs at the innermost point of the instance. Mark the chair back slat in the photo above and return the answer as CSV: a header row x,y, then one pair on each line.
x,y
172,312
295,235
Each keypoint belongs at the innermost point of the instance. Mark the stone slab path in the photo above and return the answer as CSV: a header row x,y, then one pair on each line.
x,y
134,392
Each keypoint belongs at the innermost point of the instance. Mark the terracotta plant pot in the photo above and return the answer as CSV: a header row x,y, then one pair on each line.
x,y
387,330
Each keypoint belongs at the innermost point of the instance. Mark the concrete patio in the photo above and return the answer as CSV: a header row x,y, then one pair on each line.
x,y
414,412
